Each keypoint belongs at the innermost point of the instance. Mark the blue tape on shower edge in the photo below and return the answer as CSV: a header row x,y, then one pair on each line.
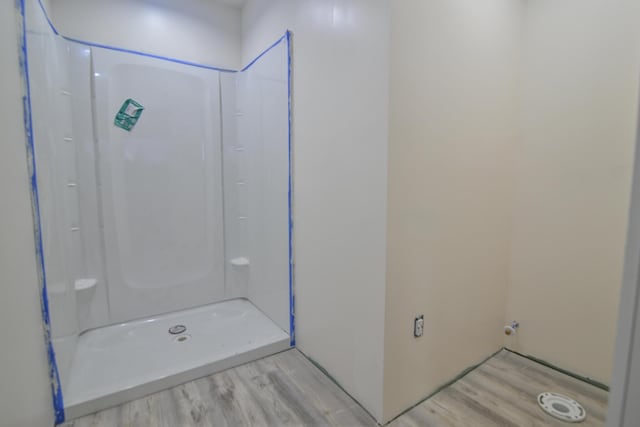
x,y
134,52
276,43
54,377
46,16
148,55
292,315
286,37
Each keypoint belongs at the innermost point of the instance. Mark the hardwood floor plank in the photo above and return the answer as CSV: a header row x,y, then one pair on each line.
x,y
431,415
575,385
512,414
533,380
239,408
106,418
503,392
512,399
288,390
191,407
276,389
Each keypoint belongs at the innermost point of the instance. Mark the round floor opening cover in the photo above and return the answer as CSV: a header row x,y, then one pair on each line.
x,y
561,407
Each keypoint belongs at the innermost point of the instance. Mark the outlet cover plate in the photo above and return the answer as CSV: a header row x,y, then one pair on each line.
x,y
418,326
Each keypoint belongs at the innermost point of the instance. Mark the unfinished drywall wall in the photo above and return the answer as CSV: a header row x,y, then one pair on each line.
x,y
340,116
573,173
453,111
25,395
203,31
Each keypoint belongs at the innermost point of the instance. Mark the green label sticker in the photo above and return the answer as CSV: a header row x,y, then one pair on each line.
x,y
128,115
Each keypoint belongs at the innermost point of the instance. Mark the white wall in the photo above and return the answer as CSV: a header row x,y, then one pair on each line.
x,y
25,394
453,111
623,409
340,115
202,31
573,171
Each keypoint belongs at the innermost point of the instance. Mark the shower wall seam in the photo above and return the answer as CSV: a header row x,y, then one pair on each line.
x,y
222,181
98,177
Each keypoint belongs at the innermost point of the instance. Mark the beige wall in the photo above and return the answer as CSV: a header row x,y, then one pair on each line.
x,y
453,118
25,393
511,148
340,118
580,85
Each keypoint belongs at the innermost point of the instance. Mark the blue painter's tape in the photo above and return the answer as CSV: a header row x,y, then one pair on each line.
x,y
46,15
276,43
54,376
286,37
149,55
134,52
292,316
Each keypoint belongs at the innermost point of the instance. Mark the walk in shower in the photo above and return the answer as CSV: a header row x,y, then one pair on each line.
x,y
162,196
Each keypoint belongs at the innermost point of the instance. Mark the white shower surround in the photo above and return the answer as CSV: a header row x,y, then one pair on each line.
x,y
235,129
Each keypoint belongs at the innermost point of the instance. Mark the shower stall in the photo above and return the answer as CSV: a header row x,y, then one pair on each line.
x,y
163,202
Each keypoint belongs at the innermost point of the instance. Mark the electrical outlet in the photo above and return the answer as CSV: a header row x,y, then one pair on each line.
x,y
418,326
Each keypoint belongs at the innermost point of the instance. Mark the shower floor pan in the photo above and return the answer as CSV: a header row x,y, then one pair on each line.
x,y
119,363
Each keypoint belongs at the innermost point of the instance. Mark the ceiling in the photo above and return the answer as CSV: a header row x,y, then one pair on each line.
x,y
233,3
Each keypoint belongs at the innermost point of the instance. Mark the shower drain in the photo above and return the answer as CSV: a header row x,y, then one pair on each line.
x,y
177,329
561,407
182,338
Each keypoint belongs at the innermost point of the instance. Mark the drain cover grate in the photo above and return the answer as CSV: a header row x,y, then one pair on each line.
x,y
561,407
177,329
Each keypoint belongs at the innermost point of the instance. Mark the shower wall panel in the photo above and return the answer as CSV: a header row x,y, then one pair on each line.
x,y
235,191
263,131
55,163
133,220
92,304
161,185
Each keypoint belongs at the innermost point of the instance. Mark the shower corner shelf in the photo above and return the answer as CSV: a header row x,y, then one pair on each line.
x,y
240,262
84,284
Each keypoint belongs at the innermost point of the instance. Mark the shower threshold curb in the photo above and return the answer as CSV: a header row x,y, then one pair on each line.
x,y
96,404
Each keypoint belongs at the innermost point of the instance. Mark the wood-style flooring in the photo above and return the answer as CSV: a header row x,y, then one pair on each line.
x,y
287,390
503,392
281,390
